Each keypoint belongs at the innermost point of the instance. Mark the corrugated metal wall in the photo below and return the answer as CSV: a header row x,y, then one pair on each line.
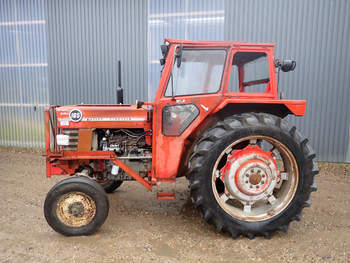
x,y
86,39
23,73
316,33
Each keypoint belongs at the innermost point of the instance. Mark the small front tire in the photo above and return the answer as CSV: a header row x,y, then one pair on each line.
x,y
76,206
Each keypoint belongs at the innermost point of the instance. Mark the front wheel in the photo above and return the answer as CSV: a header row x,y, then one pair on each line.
x,y
261,174
76,206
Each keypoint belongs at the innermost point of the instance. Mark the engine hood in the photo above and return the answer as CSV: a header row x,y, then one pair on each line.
x,y
102,116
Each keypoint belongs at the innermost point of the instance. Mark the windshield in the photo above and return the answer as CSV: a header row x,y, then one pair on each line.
x,y
200,72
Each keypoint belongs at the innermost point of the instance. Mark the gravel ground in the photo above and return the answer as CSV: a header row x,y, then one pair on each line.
x,y
141,228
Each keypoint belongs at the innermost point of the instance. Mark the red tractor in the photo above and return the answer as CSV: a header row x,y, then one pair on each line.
x,y
216,119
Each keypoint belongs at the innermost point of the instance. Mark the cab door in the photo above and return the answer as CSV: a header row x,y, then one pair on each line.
x,y
190,88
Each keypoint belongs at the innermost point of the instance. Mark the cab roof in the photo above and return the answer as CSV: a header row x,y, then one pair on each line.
x,y
217,43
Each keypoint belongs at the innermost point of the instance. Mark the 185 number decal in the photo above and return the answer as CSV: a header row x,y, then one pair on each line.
x,y
75,115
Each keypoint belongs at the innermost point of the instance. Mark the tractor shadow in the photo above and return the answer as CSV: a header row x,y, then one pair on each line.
x,y
131,207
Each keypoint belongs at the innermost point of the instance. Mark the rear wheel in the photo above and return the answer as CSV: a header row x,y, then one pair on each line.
x,y
76,206
108,185
111,185
261,174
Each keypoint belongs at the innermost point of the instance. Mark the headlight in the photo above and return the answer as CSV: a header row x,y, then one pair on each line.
x,y
62,139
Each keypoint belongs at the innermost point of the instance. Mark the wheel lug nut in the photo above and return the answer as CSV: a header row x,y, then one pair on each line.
x,y
246,182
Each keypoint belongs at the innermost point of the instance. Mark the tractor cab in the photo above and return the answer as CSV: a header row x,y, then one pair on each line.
x,y
203,82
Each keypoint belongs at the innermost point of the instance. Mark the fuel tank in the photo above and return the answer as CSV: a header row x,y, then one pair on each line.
x,y
103,116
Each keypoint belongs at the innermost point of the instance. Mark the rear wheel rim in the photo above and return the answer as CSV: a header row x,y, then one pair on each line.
x,y
253,184
76,209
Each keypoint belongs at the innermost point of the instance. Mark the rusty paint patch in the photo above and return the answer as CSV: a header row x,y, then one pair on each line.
x,y
84,140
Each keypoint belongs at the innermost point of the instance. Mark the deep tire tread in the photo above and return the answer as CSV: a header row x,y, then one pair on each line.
x,y
283,228
213,137
111,186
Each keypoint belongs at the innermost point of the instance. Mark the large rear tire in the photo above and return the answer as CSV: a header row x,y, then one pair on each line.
x,y
251,175
76,206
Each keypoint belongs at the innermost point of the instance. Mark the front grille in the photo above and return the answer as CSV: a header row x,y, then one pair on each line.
x,y
73,139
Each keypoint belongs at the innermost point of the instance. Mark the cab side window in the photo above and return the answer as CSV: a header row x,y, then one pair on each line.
x,y
249,72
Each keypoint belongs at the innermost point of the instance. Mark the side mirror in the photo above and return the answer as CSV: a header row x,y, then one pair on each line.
x,y
288,65
285,65
164,48
178,55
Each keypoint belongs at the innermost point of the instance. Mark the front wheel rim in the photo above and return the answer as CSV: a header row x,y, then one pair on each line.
x,y
253,184
75,209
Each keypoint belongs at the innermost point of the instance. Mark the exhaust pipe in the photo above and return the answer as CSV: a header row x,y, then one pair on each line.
x,y
120,96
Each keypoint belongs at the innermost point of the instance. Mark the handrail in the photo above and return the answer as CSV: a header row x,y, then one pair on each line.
x,y
51,126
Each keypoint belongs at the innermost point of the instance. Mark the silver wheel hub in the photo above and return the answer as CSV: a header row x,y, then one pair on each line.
x,y
252,184
251,175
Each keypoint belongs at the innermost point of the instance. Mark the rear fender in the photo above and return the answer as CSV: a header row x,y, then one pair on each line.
x,y
279,108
